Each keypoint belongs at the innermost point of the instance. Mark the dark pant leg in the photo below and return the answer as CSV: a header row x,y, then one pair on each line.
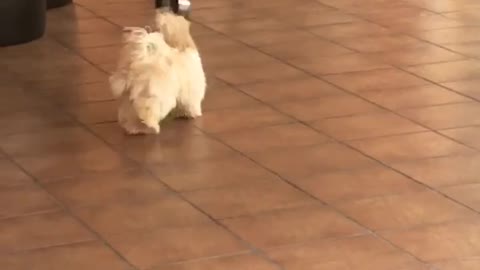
x,y
172,4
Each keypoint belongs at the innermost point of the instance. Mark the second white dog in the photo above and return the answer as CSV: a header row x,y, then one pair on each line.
x,y
158,72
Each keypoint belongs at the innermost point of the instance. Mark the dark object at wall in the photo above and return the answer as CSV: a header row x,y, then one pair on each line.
x,y
21,21
180,7
57,3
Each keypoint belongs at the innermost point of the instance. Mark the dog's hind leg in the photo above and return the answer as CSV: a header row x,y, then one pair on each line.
x,y
151,110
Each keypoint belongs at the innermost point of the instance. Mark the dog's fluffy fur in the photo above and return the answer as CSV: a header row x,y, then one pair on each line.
x,y
158,72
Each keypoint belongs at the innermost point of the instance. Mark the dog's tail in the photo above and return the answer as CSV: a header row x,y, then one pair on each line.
x,y
175,29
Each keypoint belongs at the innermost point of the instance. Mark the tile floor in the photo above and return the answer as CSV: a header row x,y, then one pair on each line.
x,y
337,135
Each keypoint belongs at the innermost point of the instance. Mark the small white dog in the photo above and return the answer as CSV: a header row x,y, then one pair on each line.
x,y
158,72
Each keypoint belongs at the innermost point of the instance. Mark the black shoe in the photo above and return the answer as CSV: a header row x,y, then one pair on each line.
x,y
180,7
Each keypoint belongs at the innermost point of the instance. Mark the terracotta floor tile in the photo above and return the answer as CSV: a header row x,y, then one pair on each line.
x,y
88,25
409,147
326,107
233,28
279,11
273,137
449,71
12,176
440,242
235,57
298,162
325,65
418,96
123,217
89,40
70,11
373,181
240,118
404,211
90,255
227,98
466,194
467,135
214,173
380,43
96,112
375,79
269,37
101,55
366,125
96,189
282,90
462,264
291,51
248,199
307,19
223,14
445,116
50,166
91,92
469,88
55,140
259,73
27,121
291,226
25,200
425,22
443,171
239,262
17,100
451,35
40,231
364,252
157,150
131,20
467,49
416,56
348,30
162,246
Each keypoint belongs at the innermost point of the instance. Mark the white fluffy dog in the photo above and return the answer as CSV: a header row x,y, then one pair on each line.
x,y
158,72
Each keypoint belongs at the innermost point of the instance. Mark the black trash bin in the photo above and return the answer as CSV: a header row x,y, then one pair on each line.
x,y
57,3
21,21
